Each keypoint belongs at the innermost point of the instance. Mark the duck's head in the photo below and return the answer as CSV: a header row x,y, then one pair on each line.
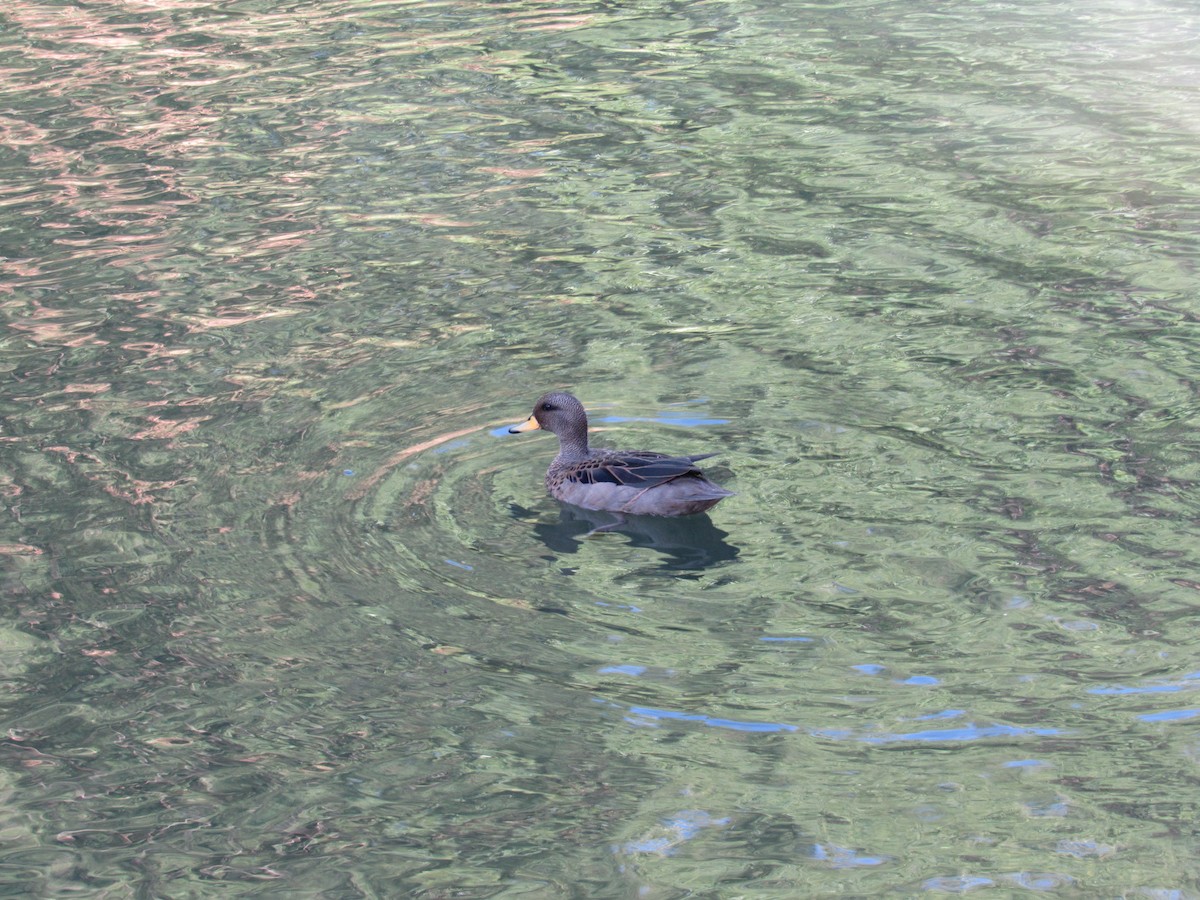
x,y
556,412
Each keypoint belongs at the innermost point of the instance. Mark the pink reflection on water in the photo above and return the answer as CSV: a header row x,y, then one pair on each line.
x,y
51,326
161,428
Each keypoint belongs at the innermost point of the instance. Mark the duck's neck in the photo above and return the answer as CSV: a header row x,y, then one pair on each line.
x,y
573,444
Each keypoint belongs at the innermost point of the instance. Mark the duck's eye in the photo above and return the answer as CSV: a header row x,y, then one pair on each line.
x,y
546,407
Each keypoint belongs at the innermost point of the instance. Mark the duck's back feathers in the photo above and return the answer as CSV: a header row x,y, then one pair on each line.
x,y
635,468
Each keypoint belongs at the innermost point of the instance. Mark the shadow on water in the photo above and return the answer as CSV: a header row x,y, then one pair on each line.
x,y
686,542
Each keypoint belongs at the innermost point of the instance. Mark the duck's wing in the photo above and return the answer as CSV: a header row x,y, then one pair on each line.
x,y
636,468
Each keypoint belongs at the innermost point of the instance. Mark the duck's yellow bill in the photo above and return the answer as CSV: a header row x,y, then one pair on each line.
x,y
530,424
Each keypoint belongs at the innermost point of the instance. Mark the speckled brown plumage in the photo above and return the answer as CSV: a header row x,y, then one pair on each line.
x,y
637,482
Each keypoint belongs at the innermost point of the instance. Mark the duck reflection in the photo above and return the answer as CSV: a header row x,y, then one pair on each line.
x,y
687,542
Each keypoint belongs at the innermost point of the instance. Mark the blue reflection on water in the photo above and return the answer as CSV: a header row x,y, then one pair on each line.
x,y
687,823
845,858
644,715
966,733
659,845
1039,881
1148,689
868,668
646,712
683,826
1171,715
1169,687
622,670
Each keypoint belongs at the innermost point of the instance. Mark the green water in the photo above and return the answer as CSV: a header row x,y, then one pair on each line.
x,y
288,612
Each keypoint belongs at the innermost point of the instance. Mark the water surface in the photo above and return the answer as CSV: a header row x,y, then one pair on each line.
x,y
288,611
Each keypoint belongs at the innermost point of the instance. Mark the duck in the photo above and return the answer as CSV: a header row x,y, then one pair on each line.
x,y
633,482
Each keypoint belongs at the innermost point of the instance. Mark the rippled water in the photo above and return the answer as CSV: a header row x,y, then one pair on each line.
x,y
287,608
